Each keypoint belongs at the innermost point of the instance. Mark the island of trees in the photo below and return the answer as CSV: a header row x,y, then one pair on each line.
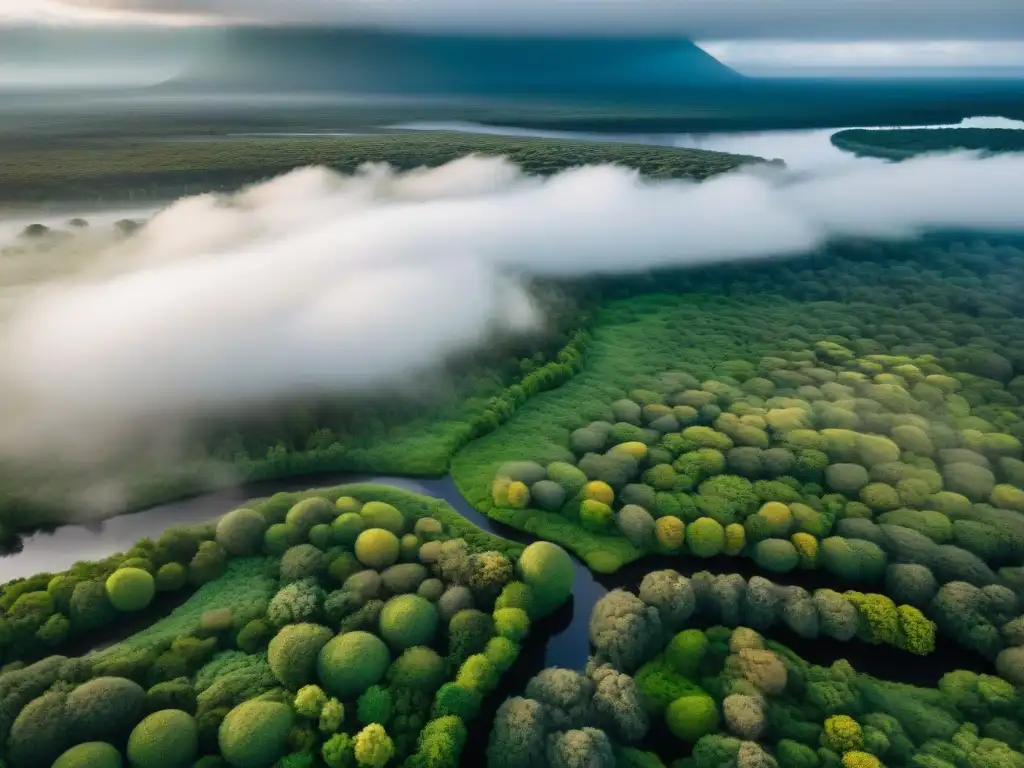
x,y
899,144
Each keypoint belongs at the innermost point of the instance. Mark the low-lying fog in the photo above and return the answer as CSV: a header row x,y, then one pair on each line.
x,y
319,283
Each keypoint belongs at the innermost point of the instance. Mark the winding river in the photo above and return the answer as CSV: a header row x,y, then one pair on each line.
x,y
566,642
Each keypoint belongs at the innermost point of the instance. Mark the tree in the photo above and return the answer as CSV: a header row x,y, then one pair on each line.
x,y
624,630
373,746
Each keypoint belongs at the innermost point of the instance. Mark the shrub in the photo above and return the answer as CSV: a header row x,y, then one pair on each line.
x,y
321,536
303,561
91,754
347,527
973,481
595,516
373,747
735,539
686,651
403,578
517,495
346,504
1010,664
846,478
170,577
207,564
478,673
130,589
457,700
350,663
165,739
512,623
853,559
240,532
669,532
597,490
1007,497
255,733
501,652
842,733
293,653
278,538
408,620
38,733
637,525
300,601
690,717
104,709
705,537
375,705
309,701
307,513
880,496
440,744
418,669
454,599
377,548
776,555
548,495
339,751
910,583
431,589
569,477
377,514
547,569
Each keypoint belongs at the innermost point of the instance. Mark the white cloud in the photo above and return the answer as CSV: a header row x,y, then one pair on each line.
x,y
771,56
701,19
318,283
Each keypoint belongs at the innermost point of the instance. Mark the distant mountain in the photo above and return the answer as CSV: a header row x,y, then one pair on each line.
x,y
363,61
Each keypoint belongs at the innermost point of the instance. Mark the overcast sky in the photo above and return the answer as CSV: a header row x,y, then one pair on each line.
x,y
755,36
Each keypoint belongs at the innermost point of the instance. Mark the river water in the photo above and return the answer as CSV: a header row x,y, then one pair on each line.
x,y
802,150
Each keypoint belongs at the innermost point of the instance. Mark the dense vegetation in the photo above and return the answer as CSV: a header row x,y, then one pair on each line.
x,y
105,170
904,143
355,625
732,698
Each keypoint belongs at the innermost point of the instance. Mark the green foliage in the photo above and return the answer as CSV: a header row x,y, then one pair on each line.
x,y
686,651
418,668
408,620
165,739
241,532
293,653
351,662
373,747
660,683
255,733
547,569
130,589
375,705
457,700
440,744
92,754
705,537
380,514
690,717
104,709
377,548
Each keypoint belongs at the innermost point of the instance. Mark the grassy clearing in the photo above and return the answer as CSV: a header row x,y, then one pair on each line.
x,y
632,338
